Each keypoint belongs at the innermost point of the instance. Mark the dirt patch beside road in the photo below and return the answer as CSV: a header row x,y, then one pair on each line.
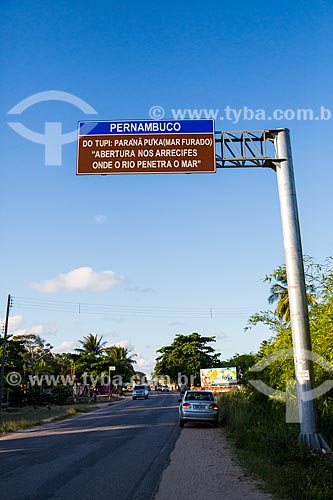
x,y
202,466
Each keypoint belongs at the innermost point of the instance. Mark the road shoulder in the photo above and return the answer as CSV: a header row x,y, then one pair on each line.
x,y
202,466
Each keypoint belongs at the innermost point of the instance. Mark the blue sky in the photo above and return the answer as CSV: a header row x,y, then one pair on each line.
x,y
178,253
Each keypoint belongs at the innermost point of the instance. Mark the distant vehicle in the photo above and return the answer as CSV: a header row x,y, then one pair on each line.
x,y
158,387
198,406
140,391
165,388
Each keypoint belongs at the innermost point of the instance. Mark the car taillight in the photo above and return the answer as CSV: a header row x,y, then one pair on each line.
x,y
214,407
186,405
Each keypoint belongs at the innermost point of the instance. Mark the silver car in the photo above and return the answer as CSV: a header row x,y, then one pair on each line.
x,y
198,406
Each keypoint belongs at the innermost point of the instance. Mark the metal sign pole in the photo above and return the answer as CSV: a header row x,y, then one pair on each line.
x,y
297,293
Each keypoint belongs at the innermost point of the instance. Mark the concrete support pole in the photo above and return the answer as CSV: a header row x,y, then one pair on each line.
x,y
297,293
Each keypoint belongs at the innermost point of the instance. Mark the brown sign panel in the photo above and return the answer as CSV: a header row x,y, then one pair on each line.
x,y
185,146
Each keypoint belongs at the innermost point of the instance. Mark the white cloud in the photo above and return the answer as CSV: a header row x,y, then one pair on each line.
x,y
144,365
65,346
82,278
123,343
16,327
14,322
22,331
35,330
100,219
41,330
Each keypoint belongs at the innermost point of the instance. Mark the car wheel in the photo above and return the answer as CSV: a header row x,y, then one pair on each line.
x,y
181,423
216,424
133,398
146,397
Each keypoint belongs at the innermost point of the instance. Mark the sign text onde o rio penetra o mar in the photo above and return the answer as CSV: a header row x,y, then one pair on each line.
x,y
146,146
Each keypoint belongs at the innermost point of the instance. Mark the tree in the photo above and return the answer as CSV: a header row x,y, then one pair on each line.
x,y
319,285
14,354
186,356
279,292
279,288
243,363
91,345
36,357
119,357
90,355
37,352
13,363
139,378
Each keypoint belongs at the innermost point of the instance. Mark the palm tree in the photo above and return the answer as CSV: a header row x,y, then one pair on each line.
x,y
91,345
119,356
279,293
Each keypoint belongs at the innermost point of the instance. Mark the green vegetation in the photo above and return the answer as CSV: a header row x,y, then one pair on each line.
x,y
28,417
281,372
46,378
265,444
185,356
94,358
267,448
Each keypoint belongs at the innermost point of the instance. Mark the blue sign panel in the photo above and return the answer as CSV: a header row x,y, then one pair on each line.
x,y
146,127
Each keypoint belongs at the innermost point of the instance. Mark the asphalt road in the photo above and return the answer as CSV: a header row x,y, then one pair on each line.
x,y
116,453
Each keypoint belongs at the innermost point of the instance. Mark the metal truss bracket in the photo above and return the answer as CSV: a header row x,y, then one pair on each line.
x,y
242,149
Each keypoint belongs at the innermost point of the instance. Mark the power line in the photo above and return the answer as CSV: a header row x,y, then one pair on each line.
x,y
121,310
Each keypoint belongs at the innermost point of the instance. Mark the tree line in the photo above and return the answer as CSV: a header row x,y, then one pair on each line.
x,y
32,359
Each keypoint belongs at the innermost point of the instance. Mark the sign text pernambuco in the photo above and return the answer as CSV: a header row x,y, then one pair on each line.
x,y
122,147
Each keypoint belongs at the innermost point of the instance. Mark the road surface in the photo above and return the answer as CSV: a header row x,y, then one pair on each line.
x,y
116,453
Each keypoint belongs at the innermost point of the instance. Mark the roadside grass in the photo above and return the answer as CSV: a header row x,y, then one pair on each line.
x,y
268,448
22,418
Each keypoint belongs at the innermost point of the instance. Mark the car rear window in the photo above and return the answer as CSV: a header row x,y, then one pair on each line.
x,y
199,396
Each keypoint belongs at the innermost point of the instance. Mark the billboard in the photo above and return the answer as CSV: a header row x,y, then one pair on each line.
x,y
146,146
215,378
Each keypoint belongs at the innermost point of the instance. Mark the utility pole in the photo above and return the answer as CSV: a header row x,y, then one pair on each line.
x,y
3,357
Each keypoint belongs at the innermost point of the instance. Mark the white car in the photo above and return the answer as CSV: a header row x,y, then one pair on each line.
x,y
140,391
165,388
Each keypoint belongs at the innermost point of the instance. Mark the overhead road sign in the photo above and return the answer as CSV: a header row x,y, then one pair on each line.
x,y
163,146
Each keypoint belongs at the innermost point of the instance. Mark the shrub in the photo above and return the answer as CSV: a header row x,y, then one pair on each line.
x,y
61,394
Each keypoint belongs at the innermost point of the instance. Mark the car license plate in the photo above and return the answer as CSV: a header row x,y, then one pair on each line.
x,y
198,407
